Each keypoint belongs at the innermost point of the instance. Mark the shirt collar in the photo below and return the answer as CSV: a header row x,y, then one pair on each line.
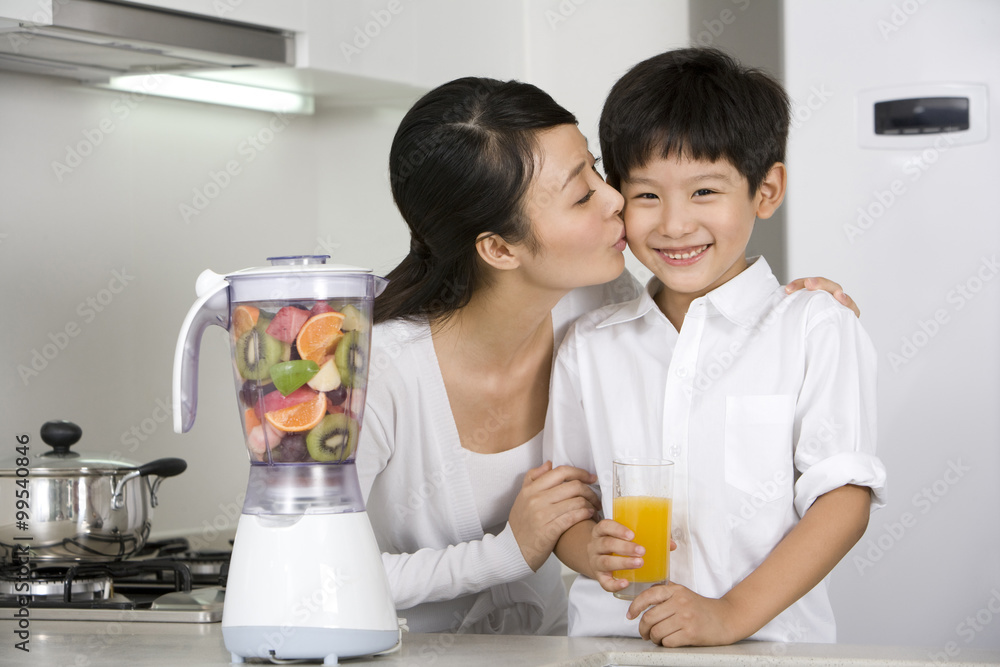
x,y
740,300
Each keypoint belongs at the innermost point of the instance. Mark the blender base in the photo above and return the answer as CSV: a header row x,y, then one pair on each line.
x,y
305,643
307,587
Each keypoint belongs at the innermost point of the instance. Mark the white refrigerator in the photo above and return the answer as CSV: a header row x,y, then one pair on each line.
x,y
894,191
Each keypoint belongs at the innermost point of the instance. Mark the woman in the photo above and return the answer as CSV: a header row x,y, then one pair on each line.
x,y
514,234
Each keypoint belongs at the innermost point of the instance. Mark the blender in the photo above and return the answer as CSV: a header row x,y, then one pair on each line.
x,y
306,579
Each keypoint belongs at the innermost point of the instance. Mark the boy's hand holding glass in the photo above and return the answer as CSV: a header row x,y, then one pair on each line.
x,y
673,615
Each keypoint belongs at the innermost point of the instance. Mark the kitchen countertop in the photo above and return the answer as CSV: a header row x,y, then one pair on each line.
x,y
84,643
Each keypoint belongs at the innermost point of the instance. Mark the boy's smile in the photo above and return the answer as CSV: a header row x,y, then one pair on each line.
x,y
689,222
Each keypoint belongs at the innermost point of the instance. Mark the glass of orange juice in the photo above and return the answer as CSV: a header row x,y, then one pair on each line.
x,y
643,489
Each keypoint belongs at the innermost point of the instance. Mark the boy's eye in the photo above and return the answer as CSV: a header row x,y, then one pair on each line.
x,y
646,195
703,192
586,198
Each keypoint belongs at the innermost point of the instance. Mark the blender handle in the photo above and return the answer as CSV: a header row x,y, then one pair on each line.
x,y
212,307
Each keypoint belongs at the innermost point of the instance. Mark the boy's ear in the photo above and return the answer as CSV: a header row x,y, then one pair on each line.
x,y
772,191
496,252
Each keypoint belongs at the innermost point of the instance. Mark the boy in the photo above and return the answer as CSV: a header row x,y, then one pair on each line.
x,y
764,401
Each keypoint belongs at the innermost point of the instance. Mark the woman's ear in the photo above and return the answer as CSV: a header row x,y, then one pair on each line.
x,y
496,252
772,191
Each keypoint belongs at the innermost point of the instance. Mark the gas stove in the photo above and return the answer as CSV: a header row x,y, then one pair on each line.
x,y
165,582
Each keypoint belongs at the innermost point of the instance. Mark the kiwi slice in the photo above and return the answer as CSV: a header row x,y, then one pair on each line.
x,y
334,439
351,359
256,352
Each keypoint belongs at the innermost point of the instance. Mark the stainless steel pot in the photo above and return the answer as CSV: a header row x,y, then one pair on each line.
x,y
78,508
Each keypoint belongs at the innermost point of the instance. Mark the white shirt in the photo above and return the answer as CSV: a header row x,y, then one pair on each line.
x,y
446,573
497,480
763,400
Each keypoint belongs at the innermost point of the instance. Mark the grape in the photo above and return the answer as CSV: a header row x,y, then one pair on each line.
x,y
292,449
338,395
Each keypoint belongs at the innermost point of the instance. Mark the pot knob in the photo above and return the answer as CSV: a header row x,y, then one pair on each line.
x,y
60,435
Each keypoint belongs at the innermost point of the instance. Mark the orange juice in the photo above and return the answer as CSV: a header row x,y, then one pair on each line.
x,y
649,518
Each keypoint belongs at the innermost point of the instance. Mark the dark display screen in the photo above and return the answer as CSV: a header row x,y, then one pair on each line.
x,y
922,115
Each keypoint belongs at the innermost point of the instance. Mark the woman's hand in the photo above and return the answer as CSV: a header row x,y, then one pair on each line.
x,y
826,285
550,501
677,616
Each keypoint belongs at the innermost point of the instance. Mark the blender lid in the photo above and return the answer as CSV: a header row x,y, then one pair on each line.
x,y
294,277
297,264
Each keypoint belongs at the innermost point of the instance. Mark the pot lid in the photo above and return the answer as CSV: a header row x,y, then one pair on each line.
x,y
60,436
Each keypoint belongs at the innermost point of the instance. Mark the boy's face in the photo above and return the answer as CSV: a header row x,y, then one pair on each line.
x,y
689,221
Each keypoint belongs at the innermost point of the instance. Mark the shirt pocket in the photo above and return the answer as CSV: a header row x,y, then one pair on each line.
x,y
758,446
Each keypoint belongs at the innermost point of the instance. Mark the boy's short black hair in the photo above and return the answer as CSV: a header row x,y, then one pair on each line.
x,y
699,103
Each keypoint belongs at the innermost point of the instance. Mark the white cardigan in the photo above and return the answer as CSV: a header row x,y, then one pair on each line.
x,y
446,575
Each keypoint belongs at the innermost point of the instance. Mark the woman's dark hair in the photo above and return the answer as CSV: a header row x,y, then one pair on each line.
x,y
459,166
697,102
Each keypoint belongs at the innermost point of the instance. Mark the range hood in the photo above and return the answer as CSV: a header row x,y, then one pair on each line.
x,y
94,40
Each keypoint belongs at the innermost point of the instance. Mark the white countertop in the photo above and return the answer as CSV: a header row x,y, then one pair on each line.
x,y
85,643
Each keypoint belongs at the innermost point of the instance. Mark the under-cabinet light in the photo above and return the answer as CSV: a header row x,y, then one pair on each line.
x,y
213,92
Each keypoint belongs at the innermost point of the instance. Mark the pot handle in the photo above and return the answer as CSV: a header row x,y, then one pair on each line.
x,y
167,467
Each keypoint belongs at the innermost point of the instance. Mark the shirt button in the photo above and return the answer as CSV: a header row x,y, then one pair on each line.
x,y
681,372
675,534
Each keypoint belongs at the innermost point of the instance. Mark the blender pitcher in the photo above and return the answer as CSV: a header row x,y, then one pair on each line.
x,y
306,579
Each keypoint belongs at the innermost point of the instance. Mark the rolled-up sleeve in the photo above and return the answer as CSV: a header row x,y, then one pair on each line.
x,y
835,413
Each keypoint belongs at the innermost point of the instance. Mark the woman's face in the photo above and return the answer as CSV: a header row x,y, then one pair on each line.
x,y
574,215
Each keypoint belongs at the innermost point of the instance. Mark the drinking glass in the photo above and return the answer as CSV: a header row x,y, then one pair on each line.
x,y
643,489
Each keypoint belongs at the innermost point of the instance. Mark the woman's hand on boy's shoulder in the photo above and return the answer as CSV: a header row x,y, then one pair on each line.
x,y
677,616
827,285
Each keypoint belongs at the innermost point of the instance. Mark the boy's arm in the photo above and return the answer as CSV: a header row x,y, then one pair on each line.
x,y
831,526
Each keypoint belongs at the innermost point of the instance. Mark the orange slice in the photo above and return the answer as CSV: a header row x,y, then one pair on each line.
x,y
250,419
301,417
319,336
244,319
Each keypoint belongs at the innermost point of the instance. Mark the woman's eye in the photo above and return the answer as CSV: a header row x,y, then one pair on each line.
x,y
587,197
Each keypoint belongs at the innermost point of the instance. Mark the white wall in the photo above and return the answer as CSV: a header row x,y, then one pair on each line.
x,y
927,572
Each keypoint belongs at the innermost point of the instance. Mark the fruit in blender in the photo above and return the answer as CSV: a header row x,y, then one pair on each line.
x,y
275,401
333,439
353,319
351,360
301,417
252,391
338,395
287,323
319,336
256,352
290,375
292,449
244,319
327,378
259,437
321,307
